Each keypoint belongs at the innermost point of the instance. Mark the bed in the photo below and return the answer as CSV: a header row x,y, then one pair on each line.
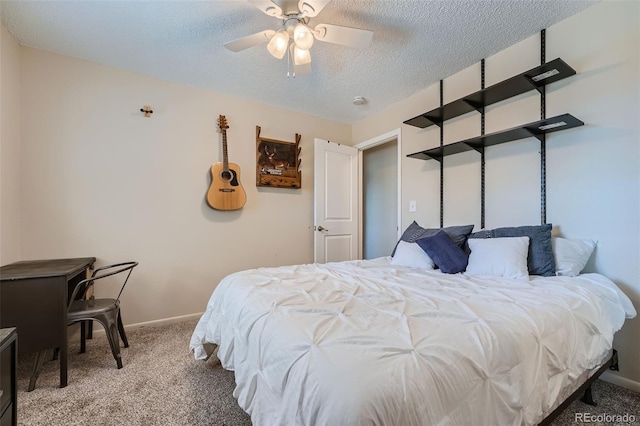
x,y
374,342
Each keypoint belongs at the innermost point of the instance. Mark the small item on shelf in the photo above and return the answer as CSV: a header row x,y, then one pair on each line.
x,y
272,171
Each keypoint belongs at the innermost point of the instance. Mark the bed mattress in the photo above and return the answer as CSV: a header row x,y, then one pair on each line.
x,y
366,342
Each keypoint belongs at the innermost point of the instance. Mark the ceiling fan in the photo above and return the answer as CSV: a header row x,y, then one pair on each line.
x,y
295,37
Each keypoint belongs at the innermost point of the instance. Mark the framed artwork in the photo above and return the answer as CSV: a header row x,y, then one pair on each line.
x,y
278,162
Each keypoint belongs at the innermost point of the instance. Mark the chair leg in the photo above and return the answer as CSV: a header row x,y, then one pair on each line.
x,y
109,322
83,336
123,336
36,370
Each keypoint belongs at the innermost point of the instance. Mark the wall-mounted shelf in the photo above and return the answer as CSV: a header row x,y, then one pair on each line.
x,y
535,78
535,129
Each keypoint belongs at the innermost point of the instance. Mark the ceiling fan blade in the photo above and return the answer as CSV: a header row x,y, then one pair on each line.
x,y
311,8
345,36
249,41
304,69
268,7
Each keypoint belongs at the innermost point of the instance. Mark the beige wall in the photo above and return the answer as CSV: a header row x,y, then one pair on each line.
x,y
593,172
99,179
9,148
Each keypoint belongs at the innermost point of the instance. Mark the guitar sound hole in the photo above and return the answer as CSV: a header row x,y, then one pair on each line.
x,y
226,175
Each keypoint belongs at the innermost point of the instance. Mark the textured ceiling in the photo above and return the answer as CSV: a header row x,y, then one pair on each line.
x,y
415,44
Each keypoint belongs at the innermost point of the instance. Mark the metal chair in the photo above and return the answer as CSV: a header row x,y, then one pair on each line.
x,y
104,310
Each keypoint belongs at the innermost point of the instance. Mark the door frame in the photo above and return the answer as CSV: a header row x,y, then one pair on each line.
x,y
363,146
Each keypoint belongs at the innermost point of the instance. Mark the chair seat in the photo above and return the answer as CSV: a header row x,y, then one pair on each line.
x,y
80,309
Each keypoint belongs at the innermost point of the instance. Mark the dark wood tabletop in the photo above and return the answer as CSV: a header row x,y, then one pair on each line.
x,y
44,268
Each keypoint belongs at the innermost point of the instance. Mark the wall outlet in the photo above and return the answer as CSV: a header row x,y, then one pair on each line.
x,y
412,206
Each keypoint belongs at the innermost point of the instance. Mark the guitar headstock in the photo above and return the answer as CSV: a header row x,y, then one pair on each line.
x,y
222,122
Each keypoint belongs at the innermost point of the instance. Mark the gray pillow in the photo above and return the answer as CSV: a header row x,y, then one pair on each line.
x,y
540,259
458,234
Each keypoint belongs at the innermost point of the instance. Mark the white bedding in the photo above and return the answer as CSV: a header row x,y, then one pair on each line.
x,y
365,342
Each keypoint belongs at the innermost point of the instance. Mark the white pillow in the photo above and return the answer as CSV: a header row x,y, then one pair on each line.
x,y
411,255
571,255
504,257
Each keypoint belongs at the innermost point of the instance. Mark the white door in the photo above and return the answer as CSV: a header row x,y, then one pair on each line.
x,y
335,184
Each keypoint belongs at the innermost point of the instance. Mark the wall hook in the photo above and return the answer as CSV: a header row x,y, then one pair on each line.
x,y
147,110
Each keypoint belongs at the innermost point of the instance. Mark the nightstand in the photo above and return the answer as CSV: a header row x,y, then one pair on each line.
x,y
8,391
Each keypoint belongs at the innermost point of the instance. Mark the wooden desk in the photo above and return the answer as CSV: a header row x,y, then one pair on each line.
x,y
33,298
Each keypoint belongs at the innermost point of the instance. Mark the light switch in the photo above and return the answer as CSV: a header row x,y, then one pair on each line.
x,y
412,206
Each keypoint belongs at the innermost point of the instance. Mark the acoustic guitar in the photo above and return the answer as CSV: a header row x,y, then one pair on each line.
x,y
226,191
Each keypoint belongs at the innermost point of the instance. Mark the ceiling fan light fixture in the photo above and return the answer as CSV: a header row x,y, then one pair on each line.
x,y
278,44
302,36
295,37
301,56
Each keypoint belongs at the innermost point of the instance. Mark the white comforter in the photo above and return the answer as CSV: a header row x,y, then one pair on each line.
x,y
365,342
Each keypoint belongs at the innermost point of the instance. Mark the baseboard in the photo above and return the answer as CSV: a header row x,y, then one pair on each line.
x,y
163,321
155,323
616,379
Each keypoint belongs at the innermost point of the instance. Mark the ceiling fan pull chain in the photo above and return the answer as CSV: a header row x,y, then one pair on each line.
x,y
290,73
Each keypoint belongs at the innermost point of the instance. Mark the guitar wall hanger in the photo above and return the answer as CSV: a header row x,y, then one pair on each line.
x,y
147,110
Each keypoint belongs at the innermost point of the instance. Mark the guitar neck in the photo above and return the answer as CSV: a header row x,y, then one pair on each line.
x,y
225,158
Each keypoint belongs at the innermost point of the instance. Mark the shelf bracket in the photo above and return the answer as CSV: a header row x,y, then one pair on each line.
x,y
434,120
533,84
475,105
477,148
538,136
437,122
423,121
438,158
426,155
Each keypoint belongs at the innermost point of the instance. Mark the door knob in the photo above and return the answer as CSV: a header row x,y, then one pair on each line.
x,y
321,228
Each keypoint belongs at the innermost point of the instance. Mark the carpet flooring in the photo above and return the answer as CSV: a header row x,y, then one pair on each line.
x,y
161,384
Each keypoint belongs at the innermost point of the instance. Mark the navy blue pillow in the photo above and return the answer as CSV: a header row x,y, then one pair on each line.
x,y
445,253
540,260
414,232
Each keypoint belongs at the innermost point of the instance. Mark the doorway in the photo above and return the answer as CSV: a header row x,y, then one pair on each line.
x,y
380,194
